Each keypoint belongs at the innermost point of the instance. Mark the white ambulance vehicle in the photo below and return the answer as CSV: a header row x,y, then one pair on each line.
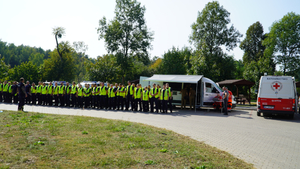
x,y
277,95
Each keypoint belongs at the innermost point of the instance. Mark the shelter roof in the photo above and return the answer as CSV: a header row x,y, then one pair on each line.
x,y
241,82
175,78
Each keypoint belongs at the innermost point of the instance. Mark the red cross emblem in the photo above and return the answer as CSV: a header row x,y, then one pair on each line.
x,y
276,86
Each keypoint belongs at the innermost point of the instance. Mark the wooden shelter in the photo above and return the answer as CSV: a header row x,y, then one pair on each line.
x,y
298,84
237,83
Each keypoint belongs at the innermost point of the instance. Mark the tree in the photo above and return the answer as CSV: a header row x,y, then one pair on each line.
x,y
27,70
58,32
127,35
252,44
3,69
37,59
283,43
210,34
104,69
57,68
173,62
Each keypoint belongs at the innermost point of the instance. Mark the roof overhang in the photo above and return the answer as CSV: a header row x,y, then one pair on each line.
x,y
175,78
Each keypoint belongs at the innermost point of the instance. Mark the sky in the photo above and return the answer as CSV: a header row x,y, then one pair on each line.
x,y
31,22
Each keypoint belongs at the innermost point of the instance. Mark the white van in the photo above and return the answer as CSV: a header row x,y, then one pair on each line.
x,y
206,89
277,95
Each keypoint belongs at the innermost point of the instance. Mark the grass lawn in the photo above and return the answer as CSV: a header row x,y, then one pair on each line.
x,y
34,140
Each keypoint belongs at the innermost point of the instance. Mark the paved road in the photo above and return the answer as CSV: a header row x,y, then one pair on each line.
x,y
264,142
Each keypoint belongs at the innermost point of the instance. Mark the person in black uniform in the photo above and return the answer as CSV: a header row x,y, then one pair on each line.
x,y
27,89
129,95
67,94
14,92
22,94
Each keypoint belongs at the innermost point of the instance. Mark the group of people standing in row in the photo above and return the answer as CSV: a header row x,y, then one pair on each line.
x,y
110,97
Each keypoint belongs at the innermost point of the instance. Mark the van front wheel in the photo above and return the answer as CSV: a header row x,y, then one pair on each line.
x,y
258,113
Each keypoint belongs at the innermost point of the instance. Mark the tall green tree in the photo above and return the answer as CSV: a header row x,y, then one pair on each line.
x,y
58,32
283,43
104,69
57,68
37,58
127,35
209,34
252,44
174,61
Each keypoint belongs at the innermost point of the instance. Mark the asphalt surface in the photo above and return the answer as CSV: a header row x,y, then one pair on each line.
x,y
266,142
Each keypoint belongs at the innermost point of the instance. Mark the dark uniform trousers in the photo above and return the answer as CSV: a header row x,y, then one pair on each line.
x,y
9,100
119,102
5,97
21,102
50,100
145,106
94,101
103,103
56,100
112,103
39,98
67,100
44,99
98,101
16,98
80,101
164,106
61,100
157,104
170,104
225,104
138,102
74,100
1,97
28,98
152,100
129,100
33,98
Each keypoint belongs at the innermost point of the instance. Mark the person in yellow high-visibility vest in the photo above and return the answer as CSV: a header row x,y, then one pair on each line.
x,y
120,97
170,91
15,92
33,94
55,93
164,99
5,91
145,97
39,93
94,96
103,96
159,105
86,95
61,92
137,97
129,95
50,94
44,94
80,96
27,89
98,95
9,93
67,94
153,92
74,94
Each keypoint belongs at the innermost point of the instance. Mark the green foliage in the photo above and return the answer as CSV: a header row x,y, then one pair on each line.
x,y
127,35
210,34
27,70
104,69
252,44
283,43
56,68
175,61
256,63
37,59
3,69
239,66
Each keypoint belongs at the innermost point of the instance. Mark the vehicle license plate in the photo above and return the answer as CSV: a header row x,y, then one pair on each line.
x,y
269,107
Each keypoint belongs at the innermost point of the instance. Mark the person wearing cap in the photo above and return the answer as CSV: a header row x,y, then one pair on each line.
x,y
55,93
44,94
103,96
137,97
80,96
152,96
61,92
145,99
